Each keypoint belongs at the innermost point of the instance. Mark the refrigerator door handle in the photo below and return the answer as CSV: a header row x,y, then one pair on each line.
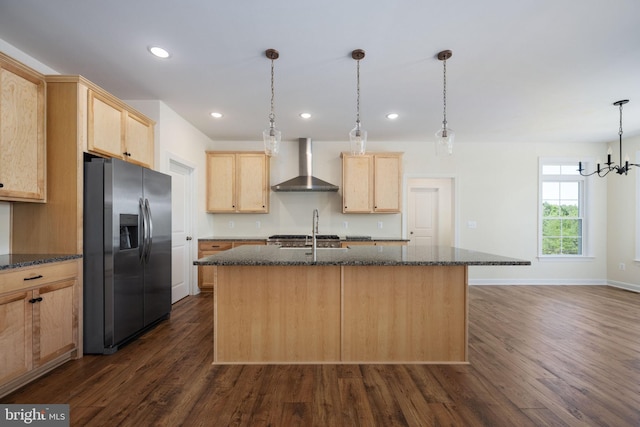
x,y
149,230
143,223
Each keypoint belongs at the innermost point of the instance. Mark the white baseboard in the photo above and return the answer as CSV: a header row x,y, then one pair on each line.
x,y
623,285
546,282
554,282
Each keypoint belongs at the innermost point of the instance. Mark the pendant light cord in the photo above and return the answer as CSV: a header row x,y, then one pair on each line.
x,y
358,93
444,93
620,133
272,115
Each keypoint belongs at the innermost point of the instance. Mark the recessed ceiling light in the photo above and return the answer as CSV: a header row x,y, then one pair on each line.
x,y
159,52
216,115
392,116
305,115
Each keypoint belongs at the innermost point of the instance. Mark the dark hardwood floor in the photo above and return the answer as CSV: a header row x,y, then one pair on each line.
x,y
539,356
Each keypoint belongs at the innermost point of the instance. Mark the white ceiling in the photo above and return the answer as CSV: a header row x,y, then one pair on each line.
x,y
524,70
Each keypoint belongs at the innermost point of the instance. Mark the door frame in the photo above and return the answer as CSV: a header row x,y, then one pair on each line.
x,y
173,158
454,200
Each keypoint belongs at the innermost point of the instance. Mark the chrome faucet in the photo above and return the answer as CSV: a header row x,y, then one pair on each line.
x,y
314,234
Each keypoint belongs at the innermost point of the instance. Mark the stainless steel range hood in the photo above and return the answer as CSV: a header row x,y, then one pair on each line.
x,y
305,181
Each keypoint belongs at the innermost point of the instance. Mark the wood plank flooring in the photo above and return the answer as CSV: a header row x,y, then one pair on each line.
x,y
539,356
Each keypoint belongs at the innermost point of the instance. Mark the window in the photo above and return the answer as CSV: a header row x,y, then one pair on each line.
x,y
562,209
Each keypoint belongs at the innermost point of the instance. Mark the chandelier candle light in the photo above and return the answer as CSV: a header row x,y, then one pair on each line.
x,y
619,169
444,143
358,136
272,136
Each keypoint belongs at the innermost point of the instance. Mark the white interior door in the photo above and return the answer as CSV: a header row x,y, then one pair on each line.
x,y
422,220
181,229
430,212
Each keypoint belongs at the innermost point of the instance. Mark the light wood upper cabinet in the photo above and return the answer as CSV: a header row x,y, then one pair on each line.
x,y
22,132
81,118
387,181
357,184
139,140
371,183
115,131
237,182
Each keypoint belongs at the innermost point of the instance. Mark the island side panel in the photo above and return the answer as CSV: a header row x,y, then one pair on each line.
x,y
277,314
404,314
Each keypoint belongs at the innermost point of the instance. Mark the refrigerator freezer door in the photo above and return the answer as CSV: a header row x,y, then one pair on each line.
x,y
123,269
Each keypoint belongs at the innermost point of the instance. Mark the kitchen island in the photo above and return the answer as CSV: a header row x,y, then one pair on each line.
x,y
363,304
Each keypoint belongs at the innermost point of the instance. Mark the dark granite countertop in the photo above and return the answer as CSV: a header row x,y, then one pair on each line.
x,y
230,238
9,261
356,255
342,238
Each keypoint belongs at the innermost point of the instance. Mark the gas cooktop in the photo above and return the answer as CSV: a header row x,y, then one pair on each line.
x,y
303,237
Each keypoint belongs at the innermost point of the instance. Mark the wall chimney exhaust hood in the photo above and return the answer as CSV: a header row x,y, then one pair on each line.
x,y
305,181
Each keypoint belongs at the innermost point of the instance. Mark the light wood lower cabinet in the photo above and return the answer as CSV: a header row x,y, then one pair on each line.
x,y
340,314
40,318
207,247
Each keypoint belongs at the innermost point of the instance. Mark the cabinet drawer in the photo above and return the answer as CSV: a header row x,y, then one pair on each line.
x,y
214,246
30,277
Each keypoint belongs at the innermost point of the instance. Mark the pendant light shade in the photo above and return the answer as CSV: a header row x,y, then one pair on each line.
x,y
272,136
444,136
358,136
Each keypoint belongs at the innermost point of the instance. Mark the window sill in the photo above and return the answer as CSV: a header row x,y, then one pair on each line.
x,y
566,258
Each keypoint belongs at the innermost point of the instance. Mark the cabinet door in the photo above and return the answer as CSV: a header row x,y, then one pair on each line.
x,y
221,168
206,272
387,182
15,335
139,141
22,146
252,188
357,184
105,126
55,332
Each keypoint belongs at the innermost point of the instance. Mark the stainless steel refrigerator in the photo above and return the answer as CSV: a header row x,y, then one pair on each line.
x,y
127,252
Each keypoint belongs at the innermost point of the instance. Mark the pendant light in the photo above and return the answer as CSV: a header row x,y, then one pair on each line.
x,y
358,136
445,136
272,136
619,169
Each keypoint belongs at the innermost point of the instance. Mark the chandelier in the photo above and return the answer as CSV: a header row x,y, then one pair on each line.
x,y
358,136
272,136
619,169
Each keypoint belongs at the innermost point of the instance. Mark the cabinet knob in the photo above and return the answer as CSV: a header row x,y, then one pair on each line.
x,y
35,300
189,238
1,185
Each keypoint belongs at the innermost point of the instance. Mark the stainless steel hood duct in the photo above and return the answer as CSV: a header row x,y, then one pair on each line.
x,y
305,181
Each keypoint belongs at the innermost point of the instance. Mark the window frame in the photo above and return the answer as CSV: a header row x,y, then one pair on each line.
x,y
583,206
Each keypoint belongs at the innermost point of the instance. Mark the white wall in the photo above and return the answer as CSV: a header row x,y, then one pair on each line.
x,y
496,186
622,230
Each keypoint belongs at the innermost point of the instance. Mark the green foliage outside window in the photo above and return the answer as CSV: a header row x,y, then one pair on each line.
x,y
561,230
